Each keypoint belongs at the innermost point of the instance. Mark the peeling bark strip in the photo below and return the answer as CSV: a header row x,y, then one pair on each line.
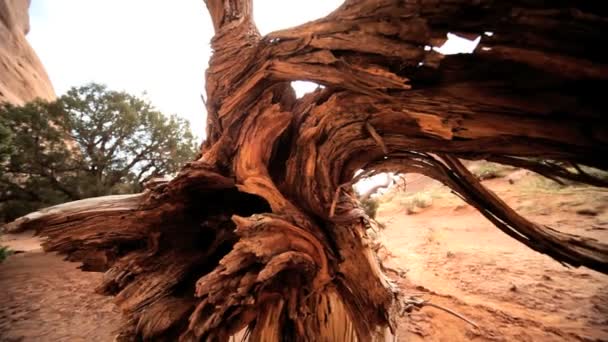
x,y
263,233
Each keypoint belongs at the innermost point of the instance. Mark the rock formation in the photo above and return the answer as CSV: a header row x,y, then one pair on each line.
x,y
22,76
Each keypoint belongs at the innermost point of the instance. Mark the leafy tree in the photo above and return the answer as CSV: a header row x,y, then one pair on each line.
x,y
123,139
90,142
5,139
37,166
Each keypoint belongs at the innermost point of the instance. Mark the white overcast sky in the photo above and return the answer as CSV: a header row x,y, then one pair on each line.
x,y
160,47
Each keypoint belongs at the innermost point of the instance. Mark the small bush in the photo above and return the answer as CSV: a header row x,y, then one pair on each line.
x,y
422,200
370,205
487,170
4,252
418,200
538,182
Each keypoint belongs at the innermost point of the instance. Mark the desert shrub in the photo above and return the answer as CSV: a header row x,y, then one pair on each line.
x,y
546,184
538,182
422,200
418,200
4,252
370,205
487,170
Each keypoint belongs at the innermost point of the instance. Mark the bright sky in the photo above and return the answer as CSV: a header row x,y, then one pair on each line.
x,y
159,47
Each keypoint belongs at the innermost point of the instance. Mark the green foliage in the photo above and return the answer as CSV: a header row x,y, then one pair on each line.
x,y
5,139
122,139
538,182
90,142
370,206
417,200
486,170
4,252
35,167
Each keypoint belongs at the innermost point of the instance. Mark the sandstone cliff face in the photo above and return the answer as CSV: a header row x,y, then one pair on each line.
x,y
22,76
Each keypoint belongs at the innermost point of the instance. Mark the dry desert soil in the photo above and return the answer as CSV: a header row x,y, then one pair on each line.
x,y
435,248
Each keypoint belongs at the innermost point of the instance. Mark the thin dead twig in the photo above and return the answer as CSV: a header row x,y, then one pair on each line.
x,y
417,303
372,131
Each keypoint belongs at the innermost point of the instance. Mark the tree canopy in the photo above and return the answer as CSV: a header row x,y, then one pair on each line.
x,y
90,142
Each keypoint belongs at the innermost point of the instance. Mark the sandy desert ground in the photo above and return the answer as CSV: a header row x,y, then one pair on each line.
x,y
441,249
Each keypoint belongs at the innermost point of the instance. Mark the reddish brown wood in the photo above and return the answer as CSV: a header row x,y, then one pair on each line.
x,y
263,231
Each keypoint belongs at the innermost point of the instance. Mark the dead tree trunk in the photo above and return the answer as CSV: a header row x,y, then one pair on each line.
x,y
263,232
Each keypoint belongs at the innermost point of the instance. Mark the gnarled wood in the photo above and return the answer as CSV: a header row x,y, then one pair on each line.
x,y
263,232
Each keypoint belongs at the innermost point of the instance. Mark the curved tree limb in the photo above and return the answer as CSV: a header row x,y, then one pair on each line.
x,y
566,248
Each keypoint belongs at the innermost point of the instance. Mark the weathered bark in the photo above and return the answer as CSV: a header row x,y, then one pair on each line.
x,y
263,231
